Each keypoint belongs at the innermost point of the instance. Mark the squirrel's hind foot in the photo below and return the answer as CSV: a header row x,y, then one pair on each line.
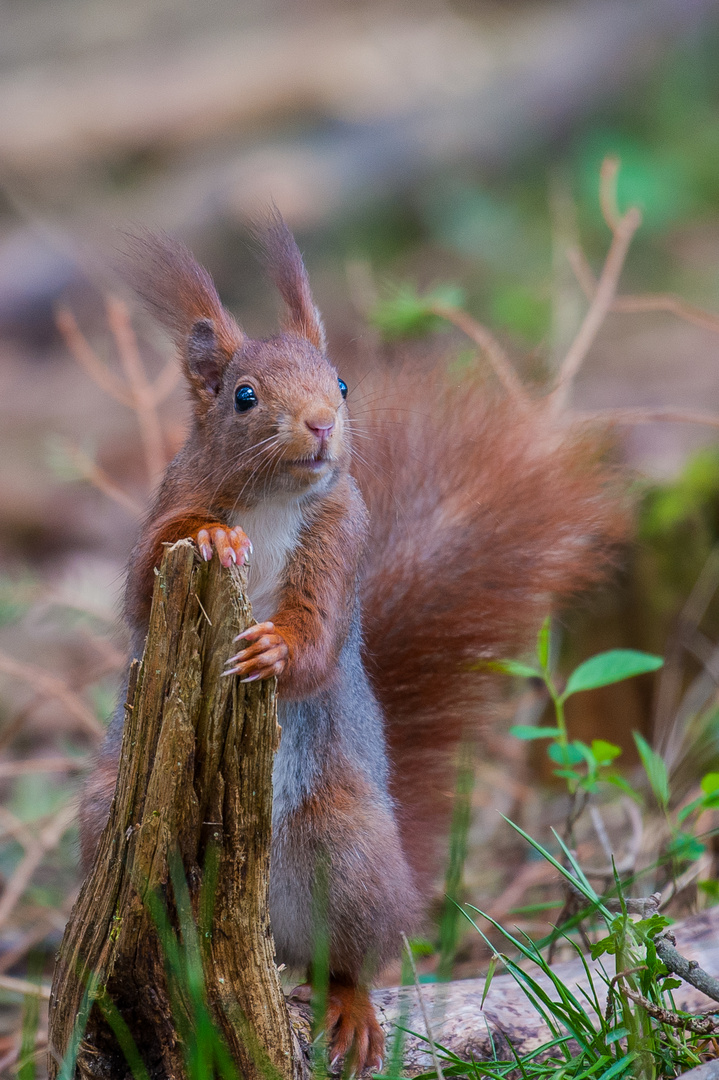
x,y
352,1029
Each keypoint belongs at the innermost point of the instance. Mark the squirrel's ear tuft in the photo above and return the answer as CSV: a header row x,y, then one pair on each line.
x,y
285,266
181,295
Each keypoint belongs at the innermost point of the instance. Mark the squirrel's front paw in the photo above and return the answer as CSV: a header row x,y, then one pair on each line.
x,y
266,653
232,545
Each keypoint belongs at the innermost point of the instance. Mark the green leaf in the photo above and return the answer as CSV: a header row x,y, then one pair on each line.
x,y
512,667
647,929
710,888
605,945
670,984
619,782
655,769
565,755
527,731
605,752
543,639
488,980
404,313
684,846
610,667
710,783
689,809
567,774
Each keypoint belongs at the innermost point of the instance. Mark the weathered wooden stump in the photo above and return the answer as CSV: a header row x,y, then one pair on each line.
x,y
194,790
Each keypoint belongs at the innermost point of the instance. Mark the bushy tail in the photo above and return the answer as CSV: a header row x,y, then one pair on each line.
x,y
484,511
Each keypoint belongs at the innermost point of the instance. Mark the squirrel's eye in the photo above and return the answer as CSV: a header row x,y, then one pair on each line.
x,y
245,398
343,387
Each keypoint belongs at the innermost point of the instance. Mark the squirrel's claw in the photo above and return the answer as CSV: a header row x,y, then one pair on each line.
x,y
265,654
232,545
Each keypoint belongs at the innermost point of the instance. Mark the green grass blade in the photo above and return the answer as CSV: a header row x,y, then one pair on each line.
x,y
123,1035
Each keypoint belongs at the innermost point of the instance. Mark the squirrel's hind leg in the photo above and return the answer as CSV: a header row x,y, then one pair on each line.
x,y
342,841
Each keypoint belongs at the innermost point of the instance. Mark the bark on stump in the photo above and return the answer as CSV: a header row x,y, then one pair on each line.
x,y
195,780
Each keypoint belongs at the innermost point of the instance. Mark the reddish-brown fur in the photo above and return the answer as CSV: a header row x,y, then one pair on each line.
x,y
285,267
370,884
486,512
481,510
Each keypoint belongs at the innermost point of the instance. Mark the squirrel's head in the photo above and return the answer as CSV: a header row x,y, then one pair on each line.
x,y
270,414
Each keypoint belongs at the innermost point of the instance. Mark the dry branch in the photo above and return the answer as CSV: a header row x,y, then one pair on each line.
x,y
636,305
487,342
35,851
137,393
194,781
623,229
83,353
651,416
51,686
142,394
99,479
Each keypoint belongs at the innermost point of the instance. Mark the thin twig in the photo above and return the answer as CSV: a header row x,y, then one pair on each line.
x,y
41,765
623,229
651,416
143,395
638,304
487,342
646,906
699,1025
165,382
582,271
22,986
92,472
51,918
673,305
601,831
48,838
53,687
88,359
612,983
15,829
423,1008
608,176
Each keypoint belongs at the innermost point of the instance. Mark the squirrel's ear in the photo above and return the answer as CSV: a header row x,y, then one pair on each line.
x,y
204,358
286,268
182,296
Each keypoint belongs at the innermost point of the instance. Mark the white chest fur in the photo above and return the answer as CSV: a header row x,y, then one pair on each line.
x,y
273,527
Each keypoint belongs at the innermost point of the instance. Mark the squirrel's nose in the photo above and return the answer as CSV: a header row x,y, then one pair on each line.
x,y
321,428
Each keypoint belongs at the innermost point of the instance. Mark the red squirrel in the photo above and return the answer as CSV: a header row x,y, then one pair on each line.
x,y
387,553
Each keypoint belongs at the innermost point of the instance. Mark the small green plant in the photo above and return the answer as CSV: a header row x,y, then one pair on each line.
x,y
583,766
404,313
623,1021
620,1023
